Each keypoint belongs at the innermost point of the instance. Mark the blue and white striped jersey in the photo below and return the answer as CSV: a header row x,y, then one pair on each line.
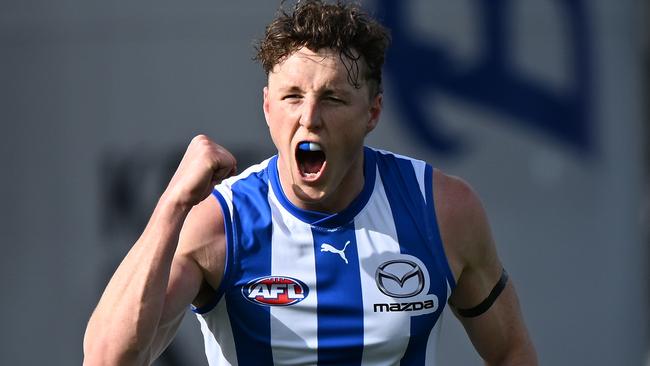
x,y
365,286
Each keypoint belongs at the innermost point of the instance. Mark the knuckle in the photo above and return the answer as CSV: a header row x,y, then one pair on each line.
x,y
200,138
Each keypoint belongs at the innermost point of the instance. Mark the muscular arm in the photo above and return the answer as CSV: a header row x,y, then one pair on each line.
x,y
197,268
499,335
163,272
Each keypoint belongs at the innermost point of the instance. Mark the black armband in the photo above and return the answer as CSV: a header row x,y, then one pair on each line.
x,y
487,303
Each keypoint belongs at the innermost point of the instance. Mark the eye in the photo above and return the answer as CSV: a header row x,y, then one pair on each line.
x,y
335,100
291,97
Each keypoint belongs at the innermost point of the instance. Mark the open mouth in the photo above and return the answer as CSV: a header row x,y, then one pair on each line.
x,y
311,159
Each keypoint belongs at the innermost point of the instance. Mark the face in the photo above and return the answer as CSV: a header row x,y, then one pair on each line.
x,y
318,122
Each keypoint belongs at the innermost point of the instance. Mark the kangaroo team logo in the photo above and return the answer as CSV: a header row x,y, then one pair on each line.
x,y
330,248
275,291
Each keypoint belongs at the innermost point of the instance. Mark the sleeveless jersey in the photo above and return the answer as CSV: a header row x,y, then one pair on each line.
x,y
365,286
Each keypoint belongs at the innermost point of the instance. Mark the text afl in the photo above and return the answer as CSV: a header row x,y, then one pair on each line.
x,y
275,291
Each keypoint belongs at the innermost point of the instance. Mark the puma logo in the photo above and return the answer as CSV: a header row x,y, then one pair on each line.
x,y
329,248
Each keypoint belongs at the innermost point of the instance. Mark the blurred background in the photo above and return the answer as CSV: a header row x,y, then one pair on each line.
x,y
540,104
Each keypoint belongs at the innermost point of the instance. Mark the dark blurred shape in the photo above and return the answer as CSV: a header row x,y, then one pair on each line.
x,y
131,184
417,68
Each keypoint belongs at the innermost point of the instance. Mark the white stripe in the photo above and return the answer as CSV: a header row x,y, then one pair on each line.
x,y
377,242
294,335
386,152
227,195
225,187
248,171
219,347
418,165
431,355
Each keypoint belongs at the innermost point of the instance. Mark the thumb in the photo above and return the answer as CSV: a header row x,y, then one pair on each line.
x,y
223,173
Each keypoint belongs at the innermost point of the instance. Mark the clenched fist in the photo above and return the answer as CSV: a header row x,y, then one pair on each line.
x,y
204,164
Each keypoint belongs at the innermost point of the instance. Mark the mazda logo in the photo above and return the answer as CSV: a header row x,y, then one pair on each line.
x,y
393,277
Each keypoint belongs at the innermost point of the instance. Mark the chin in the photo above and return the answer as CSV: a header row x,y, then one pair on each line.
x,y
311,197
308,194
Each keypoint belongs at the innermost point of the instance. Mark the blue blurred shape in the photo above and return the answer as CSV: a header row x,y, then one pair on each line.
x,y
418,68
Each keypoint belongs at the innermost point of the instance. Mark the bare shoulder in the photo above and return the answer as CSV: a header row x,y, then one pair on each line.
x,y
466,237
463,222
455,199
202,239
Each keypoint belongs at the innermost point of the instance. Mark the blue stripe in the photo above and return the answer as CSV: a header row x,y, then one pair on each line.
x,y
438,249
413,233
251,258
225,281
340,304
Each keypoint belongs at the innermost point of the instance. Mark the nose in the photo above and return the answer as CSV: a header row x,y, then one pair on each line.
x,y
310,117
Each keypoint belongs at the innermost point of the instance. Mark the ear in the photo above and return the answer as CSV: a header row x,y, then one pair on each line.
x,y
376,106
265,104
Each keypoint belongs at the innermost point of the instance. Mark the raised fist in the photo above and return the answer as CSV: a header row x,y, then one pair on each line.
x,y
204,164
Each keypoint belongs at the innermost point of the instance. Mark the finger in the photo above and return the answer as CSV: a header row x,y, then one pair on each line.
x,y
224,171
228,163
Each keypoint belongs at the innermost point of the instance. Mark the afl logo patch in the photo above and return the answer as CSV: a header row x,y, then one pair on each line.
x,y
275,291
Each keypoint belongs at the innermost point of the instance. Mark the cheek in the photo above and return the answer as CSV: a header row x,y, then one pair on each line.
x,y
278,116
352,129
280,131
276,134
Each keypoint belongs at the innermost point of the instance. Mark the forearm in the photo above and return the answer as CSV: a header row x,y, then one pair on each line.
x,y
500,335
523,355
123,325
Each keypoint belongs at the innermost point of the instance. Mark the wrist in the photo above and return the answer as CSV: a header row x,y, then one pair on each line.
x,y
173,205
167,218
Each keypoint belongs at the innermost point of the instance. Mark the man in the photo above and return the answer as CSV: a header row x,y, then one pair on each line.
x,y
327,253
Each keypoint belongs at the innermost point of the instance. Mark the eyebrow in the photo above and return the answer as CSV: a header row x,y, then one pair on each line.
x,y
330,91
292,89
324,92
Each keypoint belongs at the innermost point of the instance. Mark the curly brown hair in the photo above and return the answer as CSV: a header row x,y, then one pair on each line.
x,y
345,28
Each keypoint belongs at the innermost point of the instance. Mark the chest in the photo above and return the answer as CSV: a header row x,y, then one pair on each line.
x,y
348,292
